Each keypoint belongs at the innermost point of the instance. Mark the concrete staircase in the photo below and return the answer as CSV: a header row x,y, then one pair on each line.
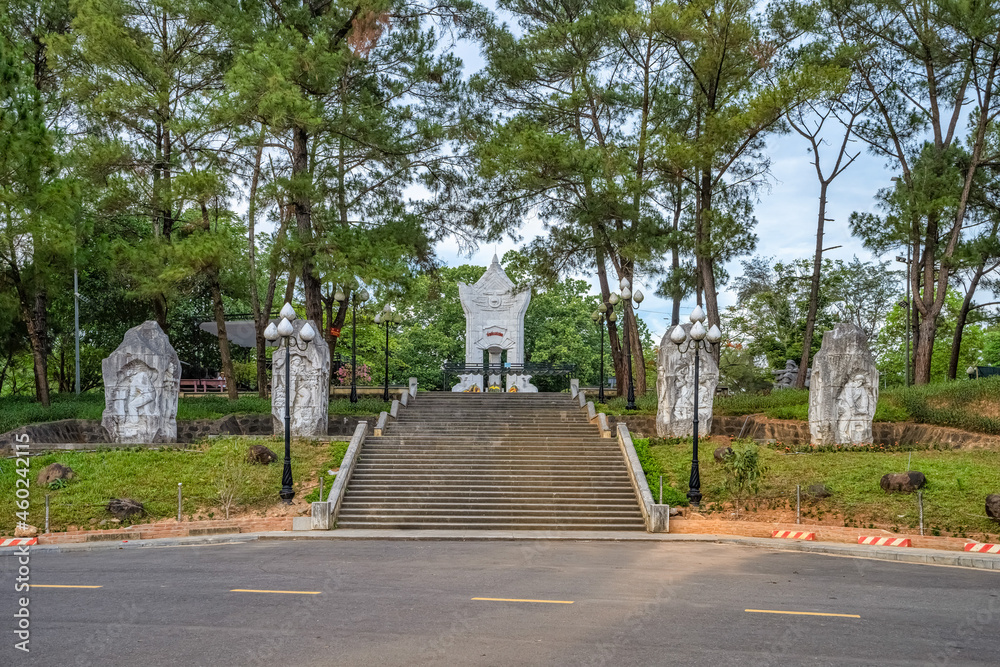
x,y
491,462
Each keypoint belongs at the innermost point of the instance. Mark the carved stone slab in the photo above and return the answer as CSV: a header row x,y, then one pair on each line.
x,y
310,385
675,389
494,322
843,389
141,385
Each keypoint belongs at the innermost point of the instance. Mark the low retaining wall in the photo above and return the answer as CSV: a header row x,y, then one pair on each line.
x,y
703,526
793,432
85,434
169,528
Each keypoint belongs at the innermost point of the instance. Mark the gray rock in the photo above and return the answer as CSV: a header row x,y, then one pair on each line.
x,y
902,482
993,506
818,491
675,389
722,452
843,388
261,455
54,471
674,511
310,380
123,508
141,385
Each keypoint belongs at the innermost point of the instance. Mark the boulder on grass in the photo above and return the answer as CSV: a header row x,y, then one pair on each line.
x,y
818,491
261,454
123,508
993,506
54,471
26,530
722,452
902,482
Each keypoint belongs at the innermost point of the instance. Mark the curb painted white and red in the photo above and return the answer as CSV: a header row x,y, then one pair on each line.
x,y
18,541
794,535
885,541
982,548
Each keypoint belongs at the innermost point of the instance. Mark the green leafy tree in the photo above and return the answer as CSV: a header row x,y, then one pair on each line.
x,y
931,69
35,203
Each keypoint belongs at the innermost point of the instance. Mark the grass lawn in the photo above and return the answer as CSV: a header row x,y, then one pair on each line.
x,y
19,411
151,477
957,485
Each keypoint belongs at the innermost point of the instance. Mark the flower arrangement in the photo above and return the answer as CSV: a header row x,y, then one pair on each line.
x,y
343,375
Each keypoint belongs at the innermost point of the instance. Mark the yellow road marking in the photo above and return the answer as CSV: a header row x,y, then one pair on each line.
x,y
522,600
60,586
252,590
800,613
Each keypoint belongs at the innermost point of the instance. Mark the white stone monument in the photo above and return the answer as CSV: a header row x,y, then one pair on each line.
x,y
675,389
494,322
141,385
843,389
310,381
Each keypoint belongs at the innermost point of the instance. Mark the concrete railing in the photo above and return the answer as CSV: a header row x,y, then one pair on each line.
x,y
324,512
383,417
656,516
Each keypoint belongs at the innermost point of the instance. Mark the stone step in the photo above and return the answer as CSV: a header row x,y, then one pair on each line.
x,y
427,458
448,492
485,515
514,503
486,477
417,523
491,470
559,451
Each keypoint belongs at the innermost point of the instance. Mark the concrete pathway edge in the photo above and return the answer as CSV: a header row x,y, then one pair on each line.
x,y
911,555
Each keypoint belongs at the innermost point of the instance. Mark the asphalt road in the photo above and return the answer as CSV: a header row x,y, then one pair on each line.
x,y
412,603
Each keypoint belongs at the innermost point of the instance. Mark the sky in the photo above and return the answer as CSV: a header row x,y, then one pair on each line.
x,y
786,214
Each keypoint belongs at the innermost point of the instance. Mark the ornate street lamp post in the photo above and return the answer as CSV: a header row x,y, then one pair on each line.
x,y
356,296
387,317
285,331
698,338
600,316
635,298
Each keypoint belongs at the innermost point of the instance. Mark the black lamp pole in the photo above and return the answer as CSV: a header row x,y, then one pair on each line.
x,y
354,349
385,394
630,405
286,330
287,492
694,483
600,391
697,338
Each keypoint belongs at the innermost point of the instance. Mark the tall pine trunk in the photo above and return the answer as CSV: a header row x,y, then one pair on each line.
x,y
303,221
800,380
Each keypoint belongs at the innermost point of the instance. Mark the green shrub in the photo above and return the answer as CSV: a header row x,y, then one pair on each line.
x,y
748,404
246,374
653,471
966,404
745,471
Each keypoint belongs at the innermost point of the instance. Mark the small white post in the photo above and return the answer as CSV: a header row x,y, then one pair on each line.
x,y
321,487
179,502
46,513
798,503
661,489
920,503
